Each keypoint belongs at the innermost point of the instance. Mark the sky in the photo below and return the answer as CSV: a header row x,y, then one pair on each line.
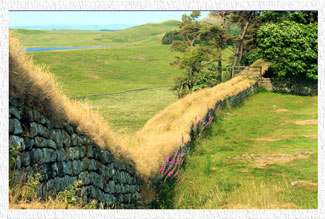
x,y
36,18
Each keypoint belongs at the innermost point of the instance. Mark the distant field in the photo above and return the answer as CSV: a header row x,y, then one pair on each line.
x,y
97,71
261,154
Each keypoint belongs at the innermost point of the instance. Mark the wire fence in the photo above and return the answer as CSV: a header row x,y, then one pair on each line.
x,y
119,92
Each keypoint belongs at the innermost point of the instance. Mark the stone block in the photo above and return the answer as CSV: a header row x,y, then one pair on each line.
x,y
16,112
49,155
51,143
40,142
15,125
16,141
67,167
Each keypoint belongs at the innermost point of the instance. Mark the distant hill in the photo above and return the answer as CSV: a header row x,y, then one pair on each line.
x,y
142,33
50,38
110,27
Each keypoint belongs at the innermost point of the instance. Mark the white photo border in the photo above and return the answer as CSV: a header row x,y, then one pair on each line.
x,y
173,5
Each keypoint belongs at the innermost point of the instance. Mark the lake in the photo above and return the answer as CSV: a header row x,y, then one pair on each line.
x,y
62,48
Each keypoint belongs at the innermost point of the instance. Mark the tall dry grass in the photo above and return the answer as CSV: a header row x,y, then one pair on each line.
x,y
160,136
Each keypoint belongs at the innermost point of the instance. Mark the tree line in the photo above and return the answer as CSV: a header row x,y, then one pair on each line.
x,y
288,40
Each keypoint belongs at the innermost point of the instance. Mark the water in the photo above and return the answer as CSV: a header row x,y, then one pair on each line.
x,y
62,48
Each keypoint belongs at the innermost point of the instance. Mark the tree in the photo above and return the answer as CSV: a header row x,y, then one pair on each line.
x,y
217,36
290,47
190,60
189,29
244,18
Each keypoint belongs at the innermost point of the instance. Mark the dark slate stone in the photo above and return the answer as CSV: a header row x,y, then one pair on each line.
x,y
122,189
55,170
13,101
73,153
93,192
11,126
66,139
16,112
43,171
49,155
60,169
52,134
67,167
82,151
74,139
40,142
92,165
118,189
127,188
51,143
77,167
33,131
49,124
29,142
70,129
16,141
59,138
61,155
16,126
110,187
37,155
42,131
90,152
36,115
84,176
42,120
25,159
18,162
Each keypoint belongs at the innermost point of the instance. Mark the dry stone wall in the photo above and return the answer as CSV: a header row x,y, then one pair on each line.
x,y
62,155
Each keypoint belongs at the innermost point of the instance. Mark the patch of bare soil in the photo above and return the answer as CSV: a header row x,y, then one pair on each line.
x,y
307,122
143,58
311,136
280,110
94,77
262,160
236,114
271,139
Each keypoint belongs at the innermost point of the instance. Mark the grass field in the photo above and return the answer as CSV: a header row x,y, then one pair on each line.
x,y
261,154
136,59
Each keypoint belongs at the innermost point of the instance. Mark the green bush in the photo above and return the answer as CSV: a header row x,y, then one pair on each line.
x,y
290,47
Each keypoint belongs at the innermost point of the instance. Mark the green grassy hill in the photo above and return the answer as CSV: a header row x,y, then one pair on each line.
x,y
50,38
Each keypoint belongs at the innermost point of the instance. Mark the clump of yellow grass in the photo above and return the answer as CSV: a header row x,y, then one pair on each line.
x,y
146,150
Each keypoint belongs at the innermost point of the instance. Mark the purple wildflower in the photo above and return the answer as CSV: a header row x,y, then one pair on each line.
x,y
177,161
206,142
182,154
167,159
175,174
195,118
161,168
180,178
198,148
181,162
182,139
167,170
173,161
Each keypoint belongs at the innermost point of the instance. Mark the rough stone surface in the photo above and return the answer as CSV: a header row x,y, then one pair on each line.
x,y
62,155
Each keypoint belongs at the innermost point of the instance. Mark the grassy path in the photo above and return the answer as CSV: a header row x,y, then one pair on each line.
x,y
262,154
